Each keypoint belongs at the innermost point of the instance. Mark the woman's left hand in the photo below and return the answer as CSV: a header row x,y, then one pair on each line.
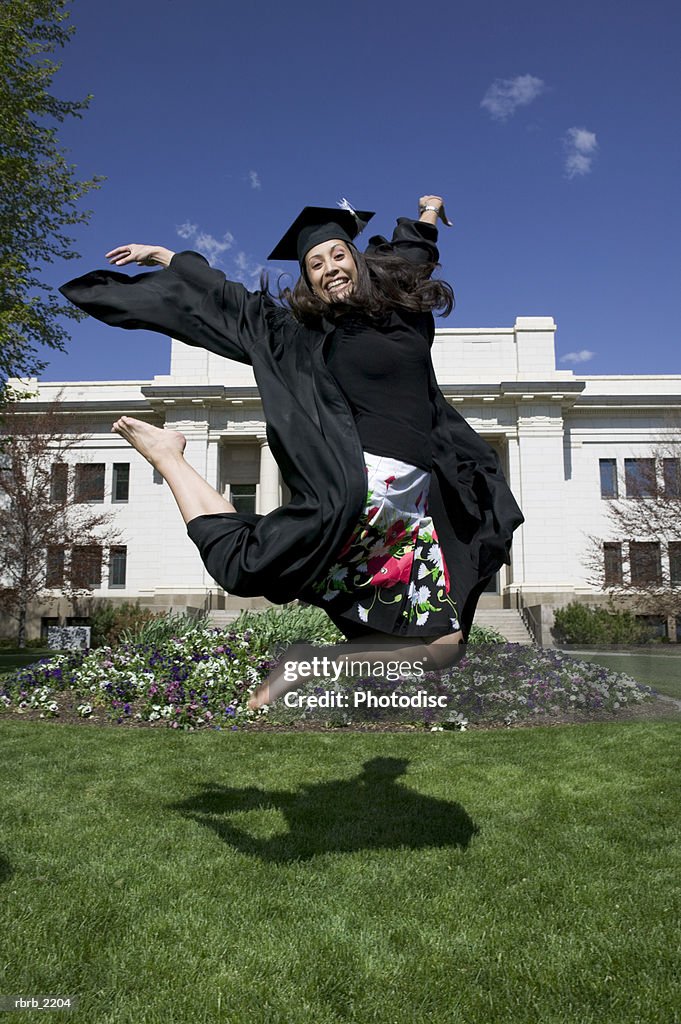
x,y
437,210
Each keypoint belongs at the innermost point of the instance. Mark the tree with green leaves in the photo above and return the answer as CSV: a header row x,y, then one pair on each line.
x,y
39,191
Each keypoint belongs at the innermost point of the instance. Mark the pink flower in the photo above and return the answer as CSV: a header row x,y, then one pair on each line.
x,y
395,532
391,571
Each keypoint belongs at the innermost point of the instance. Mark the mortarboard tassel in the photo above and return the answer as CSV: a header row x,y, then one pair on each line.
x,y
345,205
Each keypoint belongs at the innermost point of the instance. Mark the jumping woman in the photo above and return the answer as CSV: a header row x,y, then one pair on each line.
x,y
399,512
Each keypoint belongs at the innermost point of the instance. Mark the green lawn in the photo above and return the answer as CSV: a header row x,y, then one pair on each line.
x,y
659,670
13,657
502,876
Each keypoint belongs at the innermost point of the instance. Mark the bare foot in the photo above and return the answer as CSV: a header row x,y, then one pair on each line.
x,y
260,697
275,686
152,442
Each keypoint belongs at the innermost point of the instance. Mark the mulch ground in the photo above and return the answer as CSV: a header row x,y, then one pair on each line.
x,y
663,708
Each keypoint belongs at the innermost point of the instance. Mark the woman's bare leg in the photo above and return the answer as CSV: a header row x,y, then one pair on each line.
x,y
438,653
164,450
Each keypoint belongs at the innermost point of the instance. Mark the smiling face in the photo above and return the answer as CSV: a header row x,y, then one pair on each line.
x,y
331,270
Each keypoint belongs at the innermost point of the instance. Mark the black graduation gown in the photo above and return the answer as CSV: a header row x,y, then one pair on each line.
x,y
311,432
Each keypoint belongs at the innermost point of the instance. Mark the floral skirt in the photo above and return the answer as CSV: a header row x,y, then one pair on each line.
x,y
390,576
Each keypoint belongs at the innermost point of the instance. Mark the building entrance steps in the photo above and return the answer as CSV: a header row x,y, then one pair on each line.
x,y
506,621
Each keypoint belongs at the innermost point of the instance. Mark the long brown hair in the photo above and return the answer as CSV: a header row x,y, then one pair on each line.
x,y
384,282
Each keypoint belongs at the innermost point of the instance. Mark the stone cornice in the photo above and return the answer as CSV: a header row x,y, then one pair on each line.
x,y
565,392
111,406
199,394
587,403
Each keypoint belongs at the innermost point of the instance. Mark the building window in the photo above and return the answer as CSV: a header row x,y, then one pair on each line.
x,y
242,496
608,470
118,559
45,623
675,563
59,482
646,567
612,556
671,474
655,624
640,480
54,576
86,565
120,489
89,485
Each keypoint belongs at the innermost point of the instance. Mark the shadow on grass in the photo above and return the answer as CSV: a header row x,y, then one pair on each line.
x,y
372,811
5,869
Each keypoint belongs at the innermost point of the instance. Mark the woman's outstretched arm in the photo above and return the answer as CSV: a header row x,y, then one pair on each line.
x,y
188,300
414,240
432,209
143,255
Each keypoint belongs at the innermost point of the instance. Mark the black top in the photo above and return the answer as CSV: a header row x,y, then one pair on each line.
x,y
311,432
382,369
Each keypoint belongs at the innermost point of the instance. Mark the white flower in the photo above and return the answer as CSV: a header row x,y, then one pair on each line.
x,y
363,613
422,618
435,555
420,595
423,570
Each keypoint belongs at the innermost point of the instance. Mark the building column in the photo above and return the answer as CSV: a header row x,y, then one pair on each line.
x,y
213,462
515,572
269,486
548,531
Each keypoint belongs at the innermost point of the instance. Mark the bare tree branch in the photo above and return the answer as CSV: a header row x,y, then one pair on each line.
x,y
52,534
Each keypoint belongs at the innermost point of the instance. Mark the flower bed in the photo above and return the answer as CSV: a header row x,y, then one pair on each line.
x,y
203,678
200,679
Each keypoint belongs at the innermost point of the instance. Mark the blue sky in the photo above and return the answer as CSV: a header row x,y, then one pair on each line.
x,y
550,129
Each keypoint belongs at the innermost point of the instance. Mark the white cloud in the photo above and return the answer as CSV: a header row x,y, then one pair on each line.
x,y
186,230
583,356
208,245
254,179
213,248
505,95
237,267
580,150
246,271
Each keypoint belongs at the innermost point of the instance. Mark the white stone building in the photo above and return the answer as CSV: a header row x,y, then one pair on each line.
x,y
563,441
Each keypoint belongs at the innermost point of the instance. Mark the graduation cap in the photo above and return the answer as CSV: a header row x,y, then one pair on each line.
x,y
318,224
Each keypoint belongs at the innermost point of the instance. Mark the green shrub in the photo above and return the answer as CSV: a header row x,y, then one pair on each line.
x,y
9,643
163,627
485,635
580,624
308,624
109,622
288,624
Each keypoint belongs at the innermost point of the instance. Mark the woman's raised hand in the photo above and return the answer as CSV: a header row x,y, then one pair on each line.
x,y
431,208
144,255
